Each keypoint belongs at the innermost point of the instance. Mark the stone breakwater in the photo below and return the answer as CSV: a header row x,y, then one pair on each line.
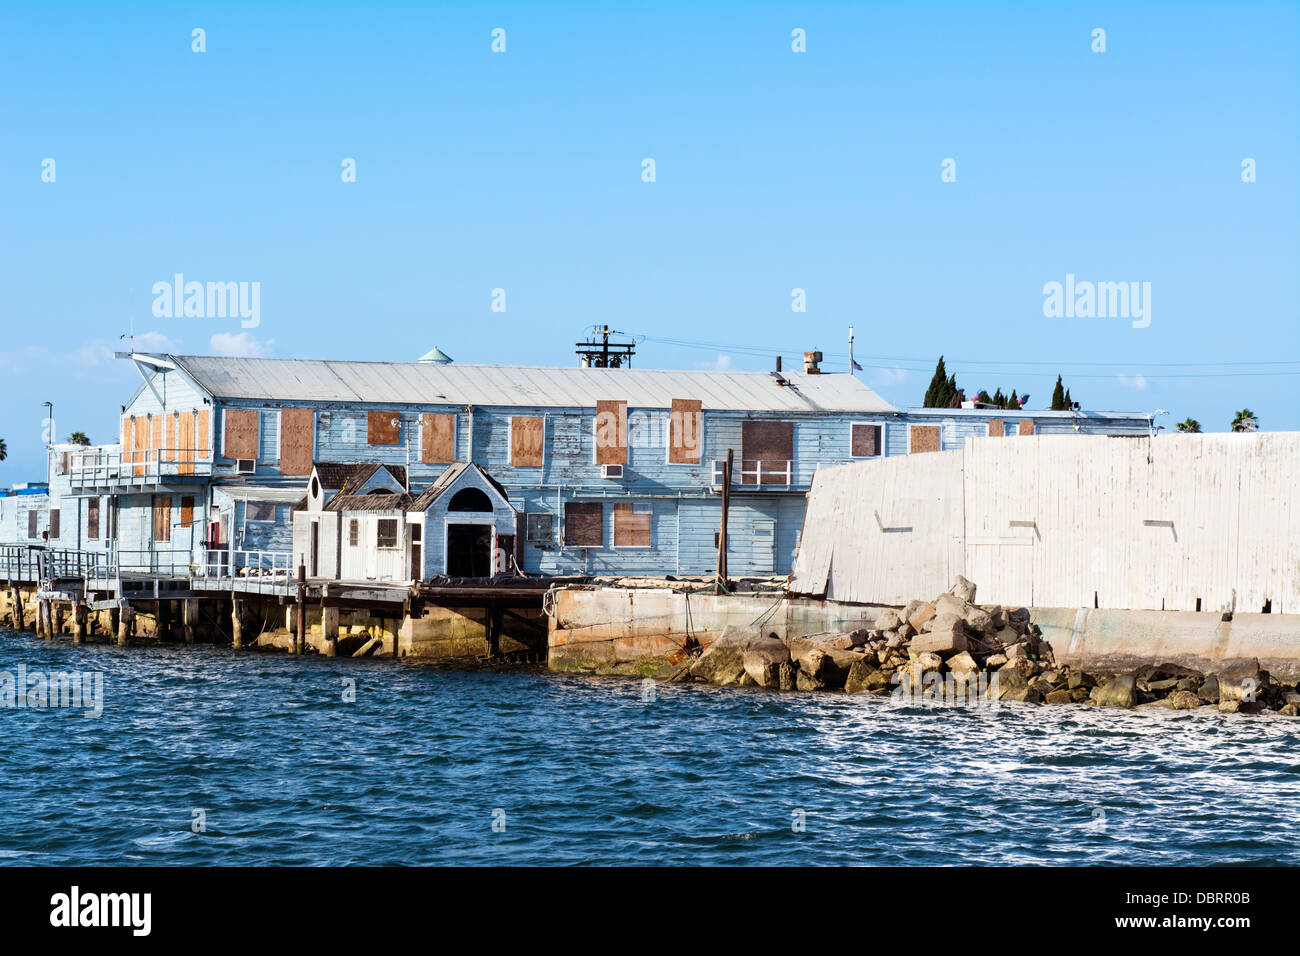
x,y
953,650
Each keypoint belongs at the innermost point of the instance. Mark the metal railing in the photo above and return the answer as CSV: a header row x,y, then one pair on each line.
x,y
178,563
753,472
21,563
250,570
99,468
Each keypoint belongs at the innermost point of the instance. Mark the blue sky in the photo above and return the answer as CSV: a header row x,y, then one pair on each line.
x,y
775,170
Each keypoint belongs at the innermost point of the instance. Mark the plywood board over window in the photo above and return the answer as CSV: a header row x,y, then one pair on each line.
x,y
924,438
865,440
140,456
240,436
382,428
92,518
437,439
631,525
297,440
54,522
1027,426
527,441
186,446
768,446
995,428
187,510
169,440
611,433
584,524
156,443
162,518
202,437
685,432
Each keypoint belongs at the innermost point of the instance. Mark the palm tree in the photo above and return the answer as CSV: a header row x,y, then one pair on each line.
x,y
78,438
1189,425
1245,421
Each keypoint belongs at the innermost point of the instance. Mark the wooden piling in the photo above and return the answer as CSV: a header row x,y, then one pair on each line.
x,y
238,617
300,642
44,621
190,619
16,609
329,622
125,622
80,615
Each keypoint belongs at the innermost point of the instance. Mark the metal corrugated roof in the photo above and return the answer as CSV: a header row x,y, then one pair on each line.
x,y
318,380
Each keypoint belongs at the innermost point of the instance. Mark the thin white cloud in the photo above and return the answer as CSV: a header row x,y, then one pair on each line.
x,y
99,352
890,376
721,364
241,345
1138,382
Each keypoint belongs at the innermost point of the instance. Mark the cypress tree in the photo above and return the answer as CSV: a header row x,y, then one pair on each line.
x,y
1058,396
942,388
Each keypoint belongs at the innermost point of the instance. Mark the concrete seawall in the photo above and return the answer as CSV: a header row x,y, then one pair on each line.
x,y
1116,641
636,631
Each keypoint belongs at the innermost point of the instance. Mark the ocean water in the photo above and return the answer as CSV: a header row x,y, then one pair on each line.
x,y
264,756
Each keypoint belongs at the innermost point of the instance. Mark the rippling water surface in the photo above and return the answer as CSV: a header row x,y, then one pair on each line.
x,y
585,771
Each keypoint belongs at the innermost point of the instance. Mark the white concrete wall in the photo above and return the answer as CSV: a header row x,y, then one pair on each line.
x,y
1066,521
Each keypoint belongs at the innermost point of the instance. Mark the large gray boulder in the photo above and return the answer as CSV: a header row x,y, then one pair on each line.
x,y
864,678
1119,691
964,589
762,661
947,635
1241,680
723,661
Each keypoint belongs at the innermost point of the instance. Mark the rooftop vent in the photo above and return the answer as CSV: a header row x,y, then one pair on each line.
x,y
811,363
435,356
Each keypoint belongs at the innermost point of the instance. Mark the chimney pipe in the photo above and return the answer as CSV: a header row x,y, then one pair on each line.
x,y
778,363
810,363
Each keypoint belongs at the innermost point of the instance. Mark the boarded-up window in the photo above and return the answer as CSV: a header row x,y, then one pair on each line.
x,y
584,524
631,525
259,511
386,533
1027,426
32,518
162,518
185,445
611,433
202,440
169,440
54,522
527,442
140,453
437,439
128,438
381,428
995,428
685,432
187,510
156,442
110,532
354,531
766,452
240,437
92,518
924,438
864,440
297,440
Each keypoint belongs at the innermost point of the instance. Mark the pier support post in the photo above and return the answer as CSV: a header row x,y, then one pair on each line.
x,y
43,620
300,643
80,614
16,609
190,619
164,620
238,617
329,620
125,619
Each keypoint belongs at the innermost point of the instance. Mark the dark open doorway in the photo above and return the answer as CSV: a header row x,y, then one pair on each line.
x,y
469,550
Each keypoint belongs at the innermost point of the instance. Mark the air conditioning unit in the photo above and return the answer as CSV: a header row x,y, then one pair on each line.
x,y
611,471
245,466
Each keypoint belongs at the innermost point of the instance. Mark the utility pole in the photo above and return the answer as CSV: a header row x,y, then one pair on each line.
x,y
722,530
852,363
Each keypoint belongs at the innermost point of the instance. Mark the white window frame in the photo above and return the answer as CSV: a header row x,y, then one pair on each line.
x,y
863,421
